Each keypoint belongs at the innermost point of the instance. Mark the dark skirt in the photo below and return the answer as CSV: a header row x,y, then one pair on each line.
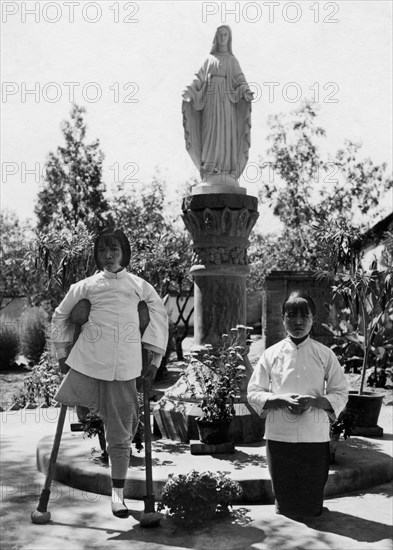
x,y
299,472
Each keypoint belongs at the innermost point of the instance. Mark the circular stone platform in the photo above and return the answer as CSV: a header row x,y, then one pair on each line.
x,y
360,463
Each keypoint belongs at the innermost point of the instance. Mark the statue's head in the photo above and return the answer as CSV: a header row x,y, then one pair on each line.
x,y
223,37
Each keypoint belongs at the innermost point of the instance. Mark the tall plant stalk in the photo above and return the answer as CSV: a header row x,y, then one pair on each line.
x,y
368,293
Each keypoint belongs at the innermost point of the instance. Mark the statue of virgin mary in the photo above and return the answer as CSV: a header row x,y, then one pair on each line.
x,y
217,114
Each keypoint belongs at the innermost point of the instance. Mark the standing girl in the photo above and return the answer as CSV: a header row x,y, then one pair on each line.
x,y
300,384
107,358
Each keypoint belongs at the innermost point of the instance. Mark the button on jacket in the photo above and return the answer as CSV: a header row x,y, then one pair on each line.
x,y
109,346
309,368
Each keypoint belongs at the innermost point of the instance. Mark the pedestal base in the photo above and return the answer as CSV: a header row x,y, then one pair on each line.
x,y
176,420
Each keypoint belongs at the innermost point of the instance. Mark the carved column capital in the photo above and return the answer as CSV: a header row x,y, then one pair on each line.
x,y
220,226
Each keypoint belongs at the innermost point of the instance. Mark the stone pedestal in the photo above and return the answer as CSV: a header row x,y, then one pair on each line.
x,y
175,416
220,225
219,303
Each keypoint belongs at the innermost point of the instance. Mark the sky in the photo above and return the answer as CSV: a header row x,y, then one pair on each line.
x,y
127,63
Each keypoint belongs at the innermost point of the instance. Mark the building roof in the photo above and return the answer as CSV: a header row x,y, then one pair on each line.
x,y
373,236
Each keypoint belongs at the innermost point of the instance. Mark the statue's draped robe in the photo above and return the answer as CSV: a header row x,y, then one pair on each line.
x,y
217,120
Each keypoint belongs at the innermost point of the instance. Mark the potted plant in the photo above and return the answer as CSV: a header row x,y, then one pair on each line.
x,y
215,380
367,296
195,498
343,425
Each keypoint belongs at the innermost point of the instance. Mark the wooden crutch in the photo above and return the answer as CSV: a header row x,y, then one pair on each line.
x,y
149,518
79,316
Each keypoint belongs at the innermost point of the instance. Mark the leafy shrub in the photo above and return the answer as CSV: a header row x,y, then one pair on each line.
x,y
9,345
93,425
349,347
215,374
41,385
195,498
34,323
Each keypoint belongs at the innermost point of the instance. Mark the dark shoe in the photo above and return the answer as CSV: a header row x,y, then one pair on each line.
x,y
119,510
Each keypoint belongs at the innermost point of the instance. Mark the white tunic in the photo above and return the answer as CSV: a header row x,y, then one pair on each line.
x,y
109,346
309,368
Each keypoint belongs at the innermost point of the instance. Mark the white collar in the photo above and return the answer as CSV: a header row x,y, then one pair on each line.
x,y
306,341
119,275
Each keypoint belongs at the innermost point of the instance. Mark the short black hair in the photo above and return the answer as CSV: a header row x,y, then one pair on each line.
x,y
298,301
109,235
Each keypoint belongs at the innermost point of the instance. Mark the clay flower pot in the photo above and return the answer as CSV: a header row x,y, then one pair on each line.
x,y
213,432
366,407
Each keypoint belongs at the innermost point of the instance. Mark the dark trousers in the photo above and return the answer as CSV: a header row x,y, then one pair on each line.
x,y
299,472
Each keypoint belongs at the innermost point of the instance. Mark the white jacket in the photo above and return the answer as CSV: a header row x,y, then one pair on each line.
x,y
309,368
109,346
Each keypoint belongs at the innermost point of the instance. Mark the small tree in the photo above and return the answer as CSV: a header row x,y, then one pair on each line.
x,y
73,190
17,279
63,258
303,187
308,187
288,250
